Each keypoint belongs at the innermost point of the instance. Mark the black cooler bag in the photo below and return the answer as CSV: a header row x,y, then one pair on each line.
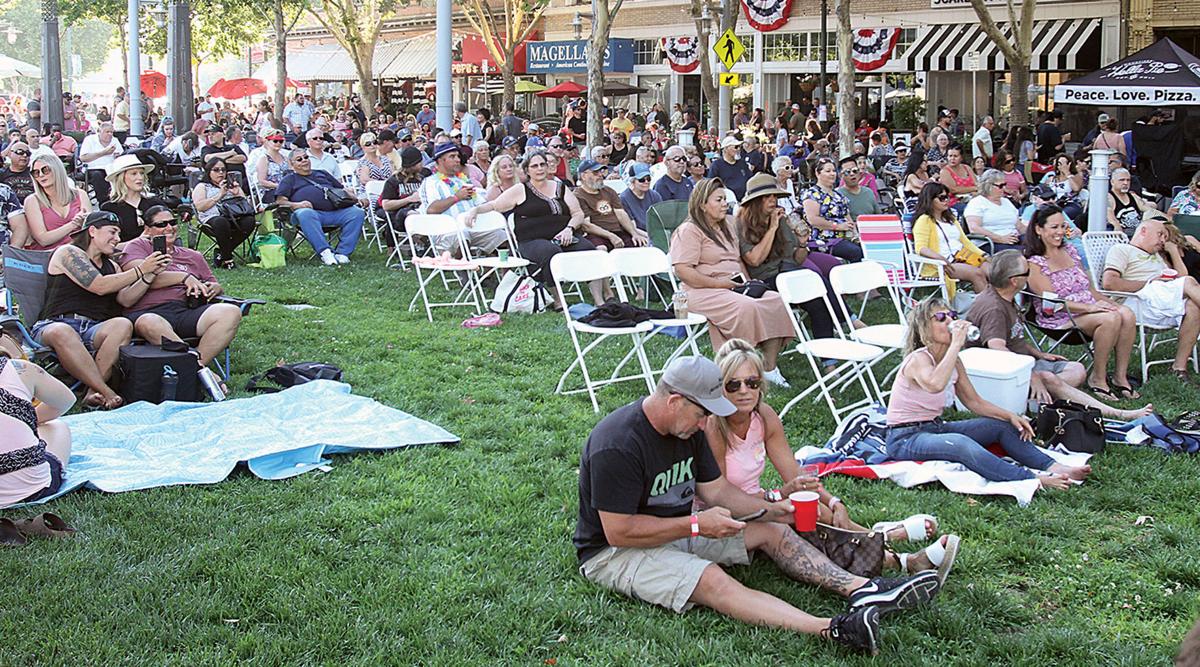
x,y
143,365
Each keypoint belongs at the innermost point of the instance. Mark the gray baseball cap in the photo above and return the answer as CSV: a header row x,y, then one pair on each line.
x,y
699,379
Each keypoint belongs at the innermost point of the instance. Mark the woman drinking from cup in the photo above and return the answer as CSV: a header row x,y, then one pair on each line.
x,y
916,431
743,442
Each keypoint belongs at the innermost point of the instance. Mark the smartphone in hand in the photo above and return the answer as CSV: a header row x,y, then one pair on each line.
x,y
160,244
752,516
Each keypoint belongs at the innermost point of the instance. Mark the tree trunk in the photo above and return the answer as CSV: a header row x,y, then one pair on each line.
x,y
124,53
708,86
846,102
1018,94
280,61
363,54
510,80
595,77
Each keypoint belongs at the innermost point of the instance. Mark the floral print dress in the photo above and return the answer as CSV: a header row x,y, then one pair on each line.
x,y
834,207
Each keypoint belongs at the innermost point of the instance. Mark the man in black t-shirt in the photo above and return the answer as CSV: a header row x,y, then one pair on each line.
x,y
1050,139
401,195
641,470
17,176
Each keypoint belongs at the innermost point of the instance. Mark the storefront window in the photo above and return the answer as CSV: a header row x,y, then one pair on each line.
x,y
907,37
785,47
646,52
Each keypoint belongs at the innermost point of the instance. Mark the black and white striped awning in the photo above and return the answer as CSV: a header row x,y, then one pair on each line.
x,y
1058,45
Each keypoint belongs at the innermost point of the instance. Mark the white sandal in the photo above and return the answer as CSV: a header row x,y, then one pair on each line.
x,y
914,526
941,556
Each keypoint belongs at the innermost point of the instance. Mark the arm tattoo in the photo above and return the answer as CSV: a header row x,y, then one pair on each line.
x,y
77,265
802,561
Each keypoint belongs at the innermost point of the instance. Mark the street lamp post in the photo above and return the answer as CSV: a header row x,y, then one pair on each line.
x,y
824,45
445,47
52,108
179,63
134,91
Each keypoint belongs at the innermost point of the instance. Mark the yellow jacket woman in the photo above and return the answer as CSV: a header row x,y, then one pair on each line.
x,y
938,234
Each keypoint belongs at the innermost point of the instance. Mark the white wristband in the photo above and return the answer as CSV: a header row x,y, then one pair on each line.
x,y
834,501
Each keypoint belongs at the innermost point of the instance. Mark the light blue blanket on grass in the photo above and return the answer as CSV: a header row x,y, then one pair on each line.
x,y
280,435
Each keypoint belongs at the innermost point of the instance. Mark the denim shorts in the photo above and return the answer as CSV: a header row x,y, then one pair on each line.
x,y
86,328
1055,367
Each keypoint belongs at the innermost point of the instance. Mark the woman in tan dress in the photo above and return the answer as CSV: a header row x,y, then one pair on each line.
x,y
704,252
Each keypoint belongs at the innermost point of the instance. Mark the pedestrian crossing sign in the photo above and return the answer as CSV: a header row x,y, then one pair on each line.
x,y
729,49
729,79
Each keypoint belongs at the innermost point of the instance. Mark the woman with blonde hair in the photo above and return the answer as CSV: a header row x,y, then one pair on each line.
x,y
502,175
742,442
916,432
706,257
128,199
56,209
371,166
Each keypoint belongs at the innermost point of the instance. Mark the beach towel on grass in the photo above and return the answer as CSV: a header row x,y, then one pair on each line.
x,y
279,435
859,448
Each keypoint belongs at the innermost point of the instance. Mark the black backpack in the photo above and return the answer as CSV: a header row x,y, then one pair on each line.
x,y
290,375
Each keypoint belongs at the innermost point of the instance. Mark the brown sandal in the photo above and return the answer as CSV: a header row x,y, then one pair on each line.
x,y
46,525
10,536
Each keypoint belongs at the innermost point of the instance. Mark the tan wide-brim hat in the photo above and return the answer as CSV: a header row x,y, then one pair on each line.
x,y
762,185
124,164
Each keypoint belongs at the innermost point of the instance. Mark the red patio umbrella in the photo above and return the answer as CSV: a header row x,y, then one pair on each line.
x,y
233,89
215,89
154,84
564,89
292,83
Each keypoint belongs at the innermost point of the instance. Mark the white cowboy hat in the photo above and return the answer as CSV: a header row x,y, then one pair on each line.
x,y
124,164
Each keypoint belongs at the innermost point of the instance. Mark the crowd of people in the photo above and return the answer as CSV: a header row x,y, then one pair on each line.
x,y
661,479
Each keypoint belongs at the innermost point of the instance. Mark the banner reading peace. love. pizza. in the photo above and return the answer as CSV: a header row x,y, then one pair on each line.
x,y
683,53
873,47
767,15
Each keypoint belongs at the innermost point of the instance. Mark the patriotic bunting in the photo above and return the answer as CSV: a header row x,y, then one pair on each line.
x,y
683,53
873,47
767,15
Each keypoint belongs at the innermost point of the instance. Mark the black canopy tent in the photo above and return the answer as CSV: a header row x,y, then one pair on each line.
x,y
1162,75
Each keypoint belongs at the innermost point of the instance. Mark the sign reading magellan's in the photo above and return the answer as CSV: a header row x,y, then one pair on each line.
x,y
1126,95
571,56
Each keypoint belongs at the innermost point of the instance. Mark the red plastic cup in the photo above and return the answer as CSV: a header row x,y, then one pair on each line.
x,y
804,508
1170,274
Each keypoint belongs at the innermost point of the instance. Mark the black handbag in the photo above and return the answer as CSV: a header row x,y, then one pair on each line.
x,y
235,207
752,288
338,198
290,375
1076,427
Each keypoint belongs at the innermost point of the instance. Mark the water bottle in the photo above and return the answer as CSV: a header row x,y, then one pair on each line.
x,y
973,333
680,303
211,383
170,381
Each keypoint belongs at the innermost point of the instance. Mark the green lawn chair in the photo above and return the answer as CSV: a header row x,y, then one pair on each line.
x,y
1188,224
661,221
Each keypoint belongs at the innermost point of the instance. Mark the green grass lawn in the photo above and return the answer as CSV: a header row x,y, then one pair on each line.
x,y
461,555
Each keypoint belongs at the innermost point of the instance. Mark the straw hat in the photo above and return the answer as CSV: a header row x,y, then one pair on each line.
x,y
124,164
761,185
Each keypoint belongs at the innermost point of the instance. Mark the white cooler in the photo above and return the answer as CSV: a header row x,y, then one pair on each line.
x,y
999,377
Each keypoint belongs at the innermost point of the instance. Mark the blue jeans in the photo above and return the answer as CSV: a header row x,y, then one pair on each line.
x,y
313,224
963,442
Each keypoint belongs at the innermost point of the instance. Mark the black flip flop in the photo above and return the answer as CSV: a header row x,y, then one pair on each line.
x,y
1104,393
1123,391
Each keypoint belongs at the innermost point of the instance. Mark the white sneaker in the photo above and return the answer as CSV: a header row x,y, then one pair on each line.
x,y
327,257
342,259
776,378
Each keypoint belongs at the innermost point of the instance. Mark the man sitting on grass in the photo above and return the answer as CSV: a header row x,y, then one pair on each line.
x,y
640,471
178,303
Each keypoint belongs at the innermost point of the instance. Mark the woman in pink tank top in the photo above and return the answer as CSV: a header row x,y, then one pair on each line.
x,y
34,444
916,431
956,176
743,441
56,209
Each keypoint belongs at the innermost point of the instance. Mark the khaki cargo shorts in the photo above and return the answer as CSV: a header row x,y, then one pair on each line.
x,y
665,575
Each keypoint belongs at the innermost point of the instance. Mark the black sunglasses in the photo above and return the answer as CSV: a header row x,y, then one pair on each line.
x,y
943,197
736,385
164,224
644,179
21,153
368,143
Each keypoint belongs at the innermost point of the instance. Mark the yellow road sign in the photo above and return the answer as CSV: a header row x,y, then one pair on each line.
x,y
729,49
729,79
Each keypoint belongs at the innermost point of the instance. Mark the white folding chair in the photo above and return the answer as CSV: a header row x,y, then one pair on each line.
x,y
491,264
649,262
373,190
430,266
802,286
860,278
586,266
1096,246
617,185
349,174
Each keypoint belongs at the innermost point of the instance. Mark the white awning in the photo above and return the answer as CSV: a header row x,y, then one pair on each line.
x,y
418,60
1058,45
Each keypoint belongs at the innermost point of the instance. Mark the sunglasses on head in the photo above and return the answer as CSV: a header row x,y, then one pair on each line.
x,y
944,315
736,385
163,224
